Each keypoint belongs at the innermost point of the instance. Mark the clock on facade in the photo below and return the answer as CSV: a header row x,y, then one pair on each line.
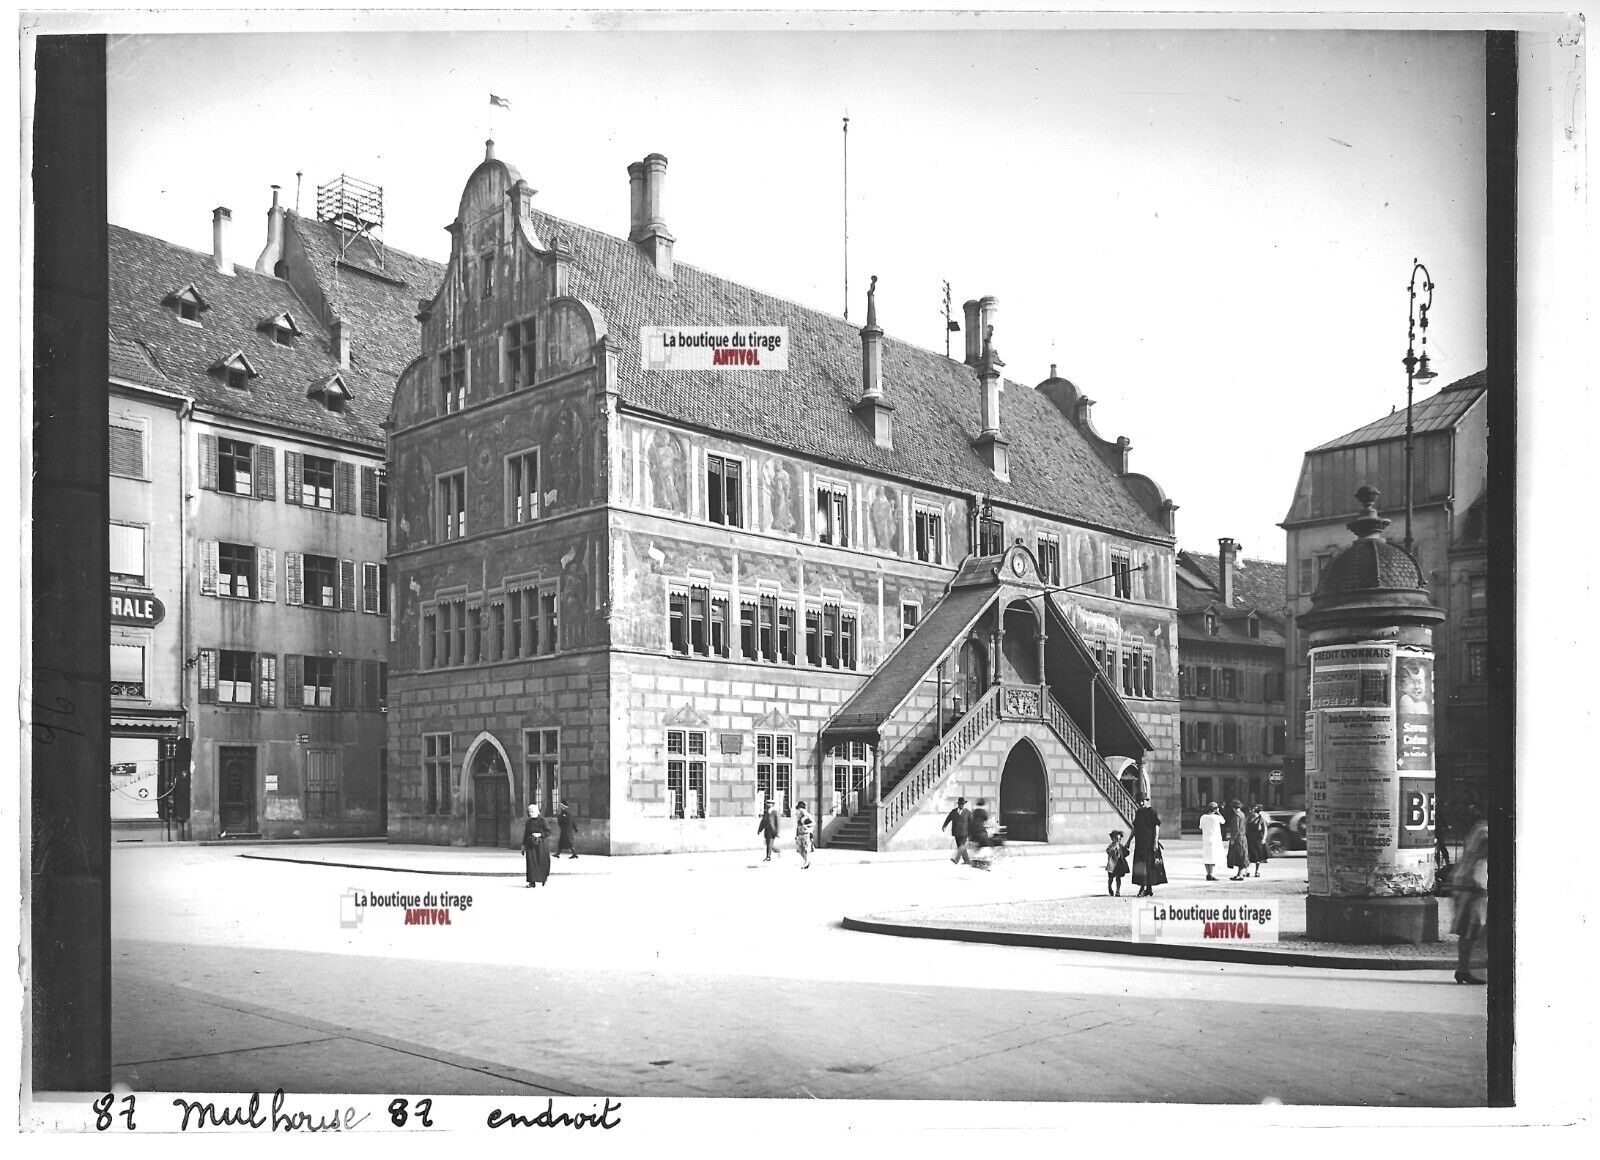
x,y
1017,565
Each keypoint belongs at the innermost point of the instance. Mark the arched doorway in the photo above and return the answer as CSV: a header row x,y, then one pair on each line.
x,y
974,673
1024,795
1019,643
491,795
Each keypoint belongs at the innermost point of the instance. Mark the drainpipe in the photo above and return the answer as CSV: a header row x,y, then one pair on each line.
x,y
1093,742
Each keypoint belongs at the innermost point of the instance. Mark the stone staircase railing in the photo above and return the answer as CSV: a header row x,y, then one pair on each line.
x,y
1088,757
902,801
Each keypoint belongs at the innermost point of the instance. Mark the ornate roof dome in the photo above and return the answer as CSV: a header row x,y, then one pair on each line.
x,y
1371,575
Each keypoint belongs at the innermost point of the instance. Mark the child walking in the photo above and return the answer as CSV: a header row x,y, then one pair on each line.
x,y
1116,863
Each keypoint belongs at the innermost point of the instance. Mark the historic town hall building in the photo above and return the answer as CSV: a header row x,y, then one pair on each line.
x,y
662,595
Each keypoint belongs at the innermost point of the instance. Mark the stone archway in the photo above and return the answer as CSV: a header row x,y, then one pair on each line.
x,y
1025,795
490,793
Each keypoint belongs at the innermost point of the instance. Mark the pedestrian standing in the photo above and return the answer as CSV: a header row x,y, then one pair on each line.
x,y
802,835
1211,845
1238,845
1116,863
978,834
1256,835
567,825
535,847
1471,886
767,827
1149,868
957,821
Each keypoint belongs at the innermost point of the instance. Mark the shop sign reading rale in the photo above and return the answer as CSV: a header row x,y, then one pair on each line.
x,y
136,608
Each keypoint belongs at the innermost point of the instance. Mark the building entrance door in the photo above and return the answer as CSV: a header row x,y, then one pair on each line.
x,y
1024,795
236,796
974,672
491,799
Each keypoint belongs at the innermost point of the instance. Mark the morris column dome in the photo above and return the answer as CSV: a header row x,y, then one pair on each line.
x,y
1372,579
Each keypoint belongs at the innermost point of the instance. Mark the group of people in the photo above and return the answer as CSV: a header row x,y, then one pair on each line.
x,y
535,844
1231,837
1245,842
804,831
970,829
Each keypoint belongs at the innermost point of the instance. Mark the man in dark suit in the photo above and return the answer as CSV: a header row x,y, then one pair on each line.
x,y
568,828
957,821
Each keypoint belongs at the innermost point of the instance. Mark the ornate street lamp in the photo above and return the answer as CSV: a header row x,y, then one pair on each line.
x,y
1417,370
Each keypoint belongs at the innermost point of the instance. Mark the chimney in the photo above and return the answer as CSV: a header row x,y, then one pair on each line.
x,y
647,229
273,253
221,220
1227,550
339,341
990,444
988,309
874,411
974,332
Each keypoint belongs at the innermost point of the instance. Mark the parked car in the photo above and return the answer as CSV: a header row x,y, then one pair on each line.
x,y
1286,830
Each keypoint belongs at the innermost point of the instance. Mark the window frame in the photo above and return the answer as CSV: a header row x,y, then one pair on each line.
x,y
124,687
833,516
517,489
728,491
232,684
437,773
991,535
451,379
450,505
518,376
228,581
228,453
927,524
541,766
142,577
139,428
307,685
1121,574
688,773
1049,558
332,603
311,493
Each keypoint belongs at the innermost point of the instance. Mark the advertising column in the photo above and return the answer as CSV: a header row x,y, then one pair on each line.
x,y
1369,765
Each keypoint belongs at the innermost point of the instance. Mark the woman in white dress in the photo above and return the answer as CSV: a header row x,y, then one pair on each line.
x,y
1211,845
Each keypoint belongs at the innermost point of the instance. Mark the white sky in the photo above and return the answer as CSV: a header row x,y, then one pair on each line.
x,y
1210,232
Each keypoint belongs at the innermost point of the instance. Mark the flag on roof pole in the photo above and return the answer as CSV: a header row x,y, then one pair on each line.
x,y
503,102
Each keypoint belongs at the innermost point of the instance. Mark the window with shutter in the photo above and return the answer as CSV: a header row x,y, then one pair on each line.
x,y
347,584
369,587
208,676
267,577
369,492
266,472
369,686
127,451
294,569
344,689
208,568
292,478
267,681
208,462
127,553
346,487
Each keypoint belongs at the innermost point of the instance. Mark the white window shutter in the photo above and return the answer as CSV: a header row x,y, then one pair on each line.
x,y
208,462
294,571
291,479
267,575
208,567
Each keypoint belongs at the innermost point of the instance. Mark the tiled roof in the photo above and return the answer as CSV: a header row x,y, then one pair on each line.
x,y
130,360
376,293
808,409
144,270
1232,628
1435,413
1259,584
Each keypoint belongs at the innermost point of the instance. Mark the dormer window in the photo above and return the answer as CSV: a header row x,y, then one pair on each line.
x,y
235,370
186,304
1211,624
281,328
1253,626
332,392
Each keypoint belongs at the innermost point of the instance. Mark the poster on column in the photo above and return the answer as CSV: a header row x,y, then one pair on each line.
x,y
1362,738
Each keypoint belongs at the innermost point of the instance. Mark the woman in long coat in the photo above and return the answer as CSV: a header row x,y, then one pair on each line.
x,y
1212,850
1256,832
536,847
1238,845
1148,871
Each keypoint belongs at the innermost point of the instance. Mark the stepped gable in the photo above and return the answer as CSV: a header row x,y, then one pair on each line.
x,y
376,294
808,409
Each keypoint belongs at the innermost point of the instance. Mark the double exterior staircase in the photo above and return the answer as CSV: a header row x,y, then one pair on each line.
x,y
1033,702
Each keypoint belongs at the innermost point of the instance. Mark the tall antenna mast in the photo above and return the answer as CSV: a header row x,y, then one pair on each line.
x,y
847,214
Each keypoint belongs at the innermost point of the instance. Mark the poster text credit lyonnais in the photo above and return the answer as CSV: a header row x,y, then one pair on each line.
x,y
702,348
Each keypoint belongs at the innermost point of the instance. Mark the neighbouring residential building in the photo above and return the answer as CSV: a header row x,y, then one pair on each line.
x,y
249,520
665,595
1449,495
1231,680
